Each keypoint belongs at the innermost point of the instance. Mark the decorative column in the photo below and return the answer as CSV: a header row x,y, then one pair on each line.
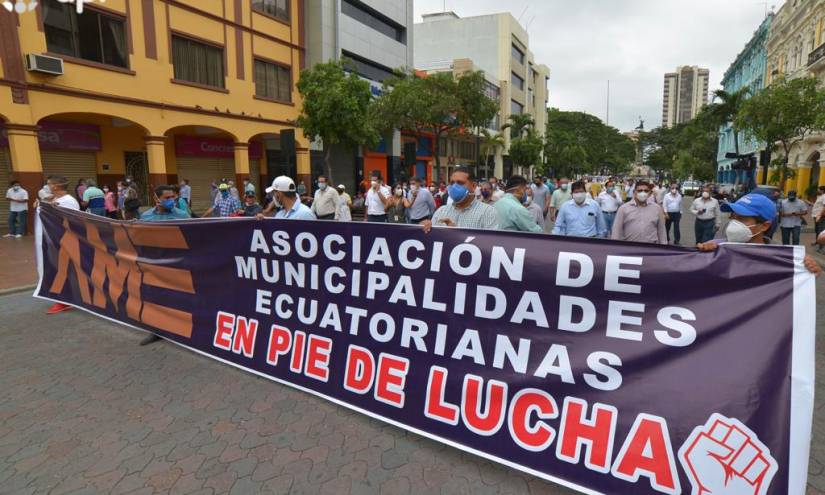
x,y
241,164
156,156
803,178
26,165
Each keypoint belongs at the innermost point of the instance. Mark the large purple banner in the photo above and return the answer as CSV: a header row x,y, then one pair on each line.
x,y
606,367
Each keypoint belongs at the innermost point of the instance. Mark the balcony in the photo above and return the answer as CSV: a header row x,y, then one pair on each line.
x,y
816,55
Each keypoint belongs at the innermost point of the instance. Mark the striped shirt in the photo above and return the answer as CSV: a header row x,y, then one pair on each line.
x,y
476,216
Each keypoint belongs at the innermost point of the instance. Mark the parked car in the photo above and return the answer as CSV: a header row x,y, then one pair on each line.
x,y
690,187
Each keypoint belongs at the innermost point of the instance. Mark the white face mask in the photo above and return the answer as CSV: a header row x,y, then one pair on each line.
x,y
641,196
737,231
564,187
414,188
399,192
579,197
706,195
322,185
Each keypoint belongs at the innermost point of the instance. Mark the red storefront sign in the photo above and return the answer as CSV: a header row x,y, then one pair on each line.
x,y
64,136
214,147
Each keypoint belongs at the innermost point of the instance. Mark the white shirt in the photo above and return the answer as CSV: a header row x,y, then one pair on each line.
x,y
608,202
44,192
67,201
20,194
673,204
373,202
710,207
819,205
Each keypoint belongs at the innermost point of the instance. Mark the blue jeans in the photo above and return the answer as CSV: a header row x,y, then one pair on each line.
x,y
17,222
787,233
609,217
97,211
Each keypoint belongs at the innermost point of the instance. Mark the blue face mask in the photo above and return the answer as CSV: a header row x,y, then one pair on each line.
x,y
457,192
224,193
168,204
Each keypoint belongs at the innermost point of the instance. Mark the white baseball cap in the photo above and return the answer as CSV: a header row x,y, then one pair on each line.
x,y
283,184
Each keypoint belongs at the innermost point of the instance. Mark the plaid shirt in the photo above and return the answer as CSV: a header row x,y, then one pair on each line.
x,y
476,216
226,206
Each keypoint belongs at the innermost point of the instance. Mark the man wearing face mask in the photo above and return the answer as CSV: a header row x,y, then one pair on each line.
x,y
640,219
225,204
609,200
559,197
326,200
165,209
422,204
672,203
750,219
706,210
535,210
18,210
541,194
486,195
377,199
465,211
510,208
285,196
791,211
581,216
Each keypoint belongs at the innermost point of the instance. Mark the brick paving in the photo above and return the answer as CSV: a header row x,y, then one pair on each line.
x,y
17,264
85,410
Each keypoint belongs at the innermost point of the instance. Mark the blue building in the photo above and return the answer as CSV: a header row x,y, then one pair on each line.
x,y
748,70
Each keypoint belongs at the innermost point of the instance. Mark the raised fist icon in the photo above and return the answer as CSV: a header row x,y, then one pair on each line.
x,y
724,457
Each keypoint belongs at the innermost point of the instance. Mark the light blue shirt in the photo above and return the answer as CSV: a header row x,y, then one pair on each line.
x,y
153,215
512,215
299,211
580,221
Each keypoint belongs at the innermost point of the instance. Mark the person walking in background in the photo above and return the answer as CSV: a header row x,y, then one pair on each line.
x,y
131,202
640,219
465,211
536,211
541,194
93,199
818,215
166,206
251,208
18,210
672,204
326,200
109,202
609,201
225,204
581,216
397,205
706,210
343,213
486,190
79,189
186,192
791,212
422,204
511,212
377,199
559,197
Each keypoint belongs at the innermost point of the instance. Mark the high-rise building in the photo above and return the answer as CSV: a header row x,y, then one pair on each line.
x,y
498,45
375,36
685,93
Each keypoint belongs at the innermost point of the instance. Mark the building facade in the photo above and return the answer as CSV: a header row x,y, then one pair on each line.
x,y
498,45
796,48
162,90
376,37
685,93
746,71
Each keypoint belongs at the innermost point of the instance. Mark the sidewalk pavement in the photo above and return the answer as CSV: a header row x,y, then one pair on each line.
x,y
17,263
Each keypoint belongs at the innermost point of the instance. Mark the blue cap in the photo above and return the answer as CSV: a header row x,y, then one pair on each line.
x,y
752,205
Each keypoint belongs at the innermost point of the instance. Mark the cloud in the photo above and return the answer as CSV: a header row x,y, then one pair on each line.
x,y
632,43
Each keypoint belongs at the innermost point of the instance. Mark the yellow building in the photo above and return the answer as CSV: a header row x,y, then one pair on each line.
x,y
796,48
163,90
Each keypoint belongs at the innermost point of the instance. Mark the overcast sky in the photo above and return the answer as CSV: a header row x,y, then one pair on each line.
x,y
630,42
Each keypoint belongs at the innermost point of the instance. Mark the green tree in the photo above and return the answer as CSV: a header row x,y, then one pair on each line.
x,y
525,151
577,142
725,111
782,115
519,124
490,143
335,108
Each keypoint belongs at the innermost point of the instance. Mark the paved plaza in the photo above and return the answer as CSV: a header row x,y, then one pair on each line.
x,y
86,410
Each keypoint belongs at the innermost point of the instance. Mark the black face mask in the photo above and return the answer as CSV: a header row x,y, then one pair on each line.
x,y
792,197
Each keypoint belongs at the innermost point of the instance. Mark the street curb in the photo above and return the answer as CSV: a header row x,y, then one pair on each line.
x,y
15,290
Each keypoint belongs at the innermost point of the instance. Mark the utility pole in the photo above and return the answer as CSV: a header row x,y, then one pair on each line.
x,y
607,116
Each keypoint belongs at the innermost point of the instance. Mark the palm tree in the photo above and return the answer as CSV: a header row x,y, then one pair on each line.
x,y
727,109
490,143
518,124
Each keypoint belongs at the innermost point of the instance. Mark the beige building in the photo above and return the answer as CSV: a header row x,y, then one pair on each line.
x,y
498,45
685,93
796,48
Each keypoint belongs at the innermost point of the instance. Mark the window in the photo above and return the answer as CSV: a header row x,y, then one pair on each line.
x,y
517,81
197,62
366,68
374,19
273,81
91,36
517,54
275,8
516,107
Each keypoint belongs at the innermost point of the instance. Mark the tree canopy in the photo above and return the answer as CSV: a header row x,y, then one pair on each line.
x,y
577,142
685,150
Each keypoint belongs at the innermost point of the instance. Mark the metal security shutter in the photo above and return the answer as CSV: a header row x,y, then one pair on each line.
x,y
5,178
201,171
69,164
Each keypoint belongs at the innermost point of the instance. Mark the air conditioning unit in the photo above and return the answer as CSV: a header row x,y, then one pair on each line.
x,y
44,64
